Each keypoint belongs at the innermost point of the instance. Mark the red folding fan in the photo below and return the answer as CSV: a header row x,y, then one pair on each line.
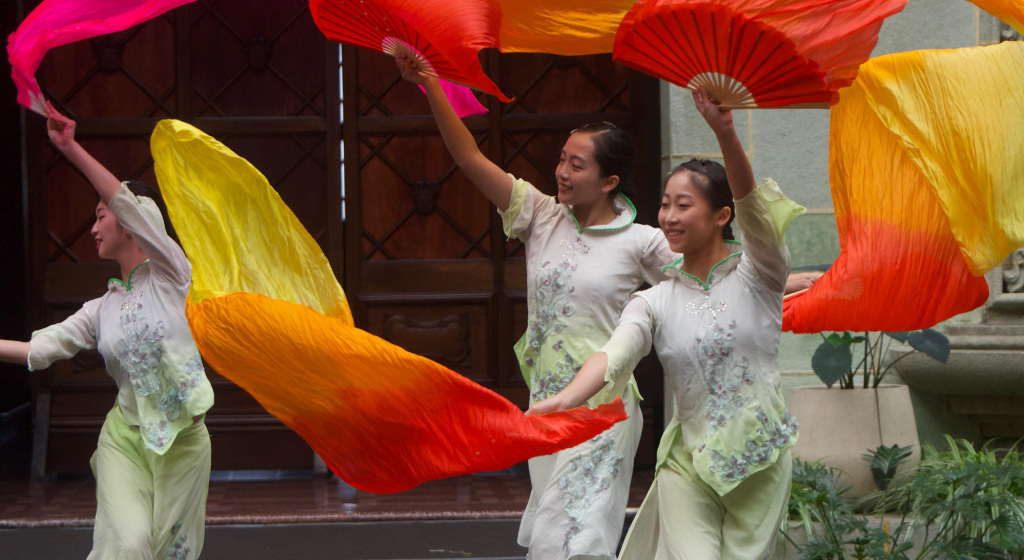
x,y
754,53
444,36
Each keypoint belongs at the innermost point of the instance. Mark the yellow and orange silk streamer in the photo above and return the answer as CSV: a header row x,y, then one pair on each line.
x,y
268,314
927,173
1010,11
566,27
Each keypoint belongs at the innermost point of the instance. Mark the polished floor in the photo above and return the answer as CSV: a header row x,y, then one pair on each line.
x,y
282,498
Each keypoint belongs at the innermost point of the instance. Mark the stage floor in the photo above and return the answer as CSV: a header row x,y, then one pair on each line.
x,y
245,497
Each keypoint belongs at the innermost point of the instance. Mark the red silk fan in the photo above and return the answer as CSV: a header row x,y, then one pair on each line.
x,y
442,36
754,53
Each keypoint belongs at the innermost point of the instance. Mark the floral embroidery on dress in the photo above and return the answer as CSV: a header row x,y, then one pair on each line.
x,y
141,348
551,292
723,373
589,475
156,434
758,449
141,353
174,397
177,550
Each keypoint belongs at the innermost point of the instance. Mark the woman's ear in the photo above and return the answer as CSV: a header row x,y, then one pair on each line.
x,y
609,183
723,217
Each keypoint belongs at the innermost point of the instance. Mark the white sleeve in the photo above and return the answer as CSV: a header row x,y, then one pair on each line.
x,y
63,340
763,216
526,207
141,217
630,341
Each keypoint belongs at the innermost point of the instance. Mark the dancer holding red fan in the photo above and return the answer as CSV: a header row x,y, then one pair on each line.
x,y
724,465
585,256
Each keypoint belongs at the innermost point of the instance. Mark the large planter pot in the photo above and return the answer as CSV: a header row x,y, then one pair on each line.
x,y
837,426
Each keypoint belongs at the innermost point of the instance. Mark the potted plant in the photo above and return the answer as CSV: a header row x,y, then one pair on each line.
x,y
960,503
855,411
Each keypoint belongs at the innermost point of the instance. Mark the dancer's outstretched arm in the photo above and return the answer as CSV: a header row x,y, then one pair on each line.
x,y
62,133
588,381
13,351
484,173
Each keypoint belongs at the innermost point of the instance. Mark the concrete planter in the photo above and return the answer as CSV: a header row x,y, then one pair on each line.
x,y
837,426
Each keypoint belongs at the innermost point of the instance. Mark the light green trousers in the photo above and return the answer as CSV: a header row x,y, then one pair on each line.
x,y
682,518
149,506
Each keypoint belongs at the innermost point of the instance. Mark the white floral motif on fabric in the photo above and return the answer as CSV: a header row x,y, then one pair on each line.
x,y
156,434
758,449
723,373
589,475
141,348
550,296
178,550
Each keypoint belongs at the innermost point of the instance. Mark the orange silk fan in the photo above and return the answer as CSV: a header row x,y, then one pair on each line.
x,y
754,53
445,36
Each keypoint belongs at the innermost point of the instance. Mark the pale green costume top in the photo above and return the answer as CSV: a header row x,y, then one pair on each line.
x,y
140,329
718,340
578,281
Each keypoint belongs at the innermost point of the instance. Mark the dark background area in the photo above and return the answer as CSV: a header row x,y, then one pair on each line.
x,y
15,425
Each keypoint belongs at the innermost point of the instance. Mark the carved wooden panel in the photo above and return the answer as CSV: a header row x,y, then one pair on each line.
x,y
452,331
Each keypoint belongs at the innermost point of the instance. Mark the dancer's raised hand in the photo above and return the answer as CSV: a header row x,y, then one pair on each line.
x,y
61,129
717,118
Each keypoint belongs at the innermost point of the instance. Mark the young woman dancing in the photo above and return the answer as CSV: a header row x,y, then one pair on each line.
x,y
152,462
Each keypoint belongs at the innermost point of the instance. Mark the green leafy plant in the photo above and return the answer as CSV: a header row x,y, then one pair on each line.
x,y
957,504
833,361
883,462
972,501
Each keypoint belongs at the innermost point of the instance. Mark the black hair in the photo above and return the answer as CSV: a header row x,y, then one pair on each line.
x,y
613,151
140,188
709,176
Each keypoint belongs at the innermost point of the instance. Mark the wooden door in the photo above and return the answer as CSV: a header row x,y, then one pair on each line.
x,y
261,79
426,263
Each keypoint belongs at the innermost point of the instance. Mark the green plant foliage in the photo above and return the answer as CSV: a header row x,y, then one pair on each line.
x,y
883,462
833,360
933,343
959,504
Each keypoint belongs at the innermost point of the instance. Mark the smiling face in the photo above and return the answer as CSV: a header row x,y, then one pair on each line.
x,y
579,175
686,217
111,238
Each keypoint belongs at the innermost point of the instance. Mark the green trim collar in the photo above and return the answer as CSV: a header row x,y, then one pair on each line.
x,y
131,274
706,285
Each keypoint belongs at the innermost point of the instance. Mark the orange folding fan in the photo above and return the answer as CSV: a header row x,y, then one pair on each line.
x,y
443,35
754,53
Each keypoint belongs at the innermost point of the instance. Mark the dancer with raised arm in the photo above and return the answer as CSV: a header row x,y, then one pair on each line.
x,y
724,465
152,462
584,257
